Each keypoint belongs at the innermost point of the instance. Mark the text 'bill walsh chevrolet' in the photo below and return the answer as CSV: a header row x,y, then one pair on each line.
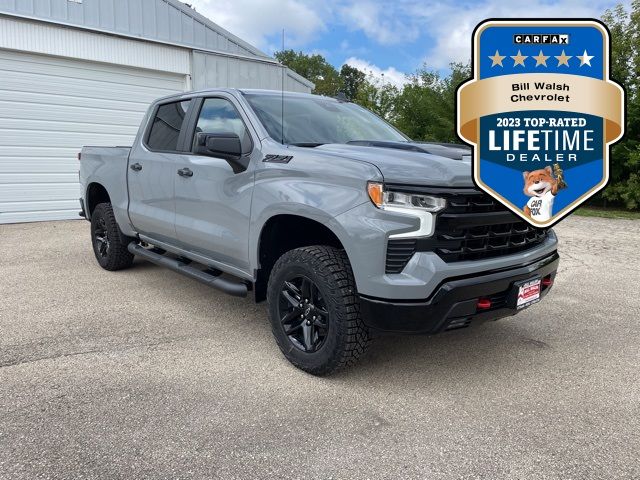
x,y
344,225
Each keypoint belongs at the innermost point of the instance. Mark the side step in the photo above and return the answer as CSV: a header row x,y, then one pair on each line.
x,y
237,289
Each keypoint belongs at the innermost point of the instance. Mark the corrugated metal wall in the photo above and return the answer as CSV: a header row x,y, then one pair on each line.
x,y
165,21
64,86
49,108
159,20
39,37
210,71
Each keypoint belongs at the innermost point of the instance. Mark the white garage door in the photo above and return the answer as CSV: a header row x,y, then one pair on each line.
x,y
49,108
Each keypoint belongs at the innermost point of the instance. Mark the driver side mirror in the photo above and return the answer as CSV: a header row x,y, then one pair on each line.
x,y
222,145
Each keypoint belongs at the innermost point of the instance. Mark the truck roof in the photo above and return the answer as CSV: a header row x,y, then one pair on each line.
x,y
198,93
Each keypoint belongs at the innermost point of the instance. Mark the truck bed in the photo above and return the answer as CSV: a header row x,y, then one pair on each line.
x,y
109,166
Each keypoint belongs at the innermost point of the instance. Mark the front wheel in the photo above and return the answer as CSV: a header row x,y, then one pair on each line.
x,y
108,245
314,310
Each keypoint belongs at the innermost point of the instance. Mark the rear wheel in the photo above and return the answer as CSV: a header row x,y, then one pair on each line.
x,y
109,246
314,310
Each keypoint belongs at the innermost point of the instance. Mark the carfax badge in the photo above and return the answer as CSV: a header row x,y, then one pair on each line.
x,y
541,114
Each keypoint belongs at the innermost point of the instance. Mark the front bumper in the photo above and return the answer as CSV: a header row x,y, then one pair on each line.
x,y
453,304
365,230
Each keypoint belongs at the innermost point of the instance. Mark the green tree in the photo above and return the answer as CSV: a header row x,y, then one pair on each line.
x,y
352,80
425,110
378,96
624,186
315,68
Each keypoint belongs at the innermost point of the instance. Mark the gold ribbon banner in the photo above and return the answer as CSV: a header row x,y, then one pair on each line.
x,y
584,95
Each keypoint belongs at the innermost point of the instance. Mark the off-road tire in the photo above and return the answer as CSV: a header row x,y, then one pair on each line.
x,y
116,256
347,337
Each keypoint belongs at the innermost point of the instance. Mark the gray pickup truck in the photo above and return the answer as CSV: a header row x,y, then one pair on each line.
x,y
343,224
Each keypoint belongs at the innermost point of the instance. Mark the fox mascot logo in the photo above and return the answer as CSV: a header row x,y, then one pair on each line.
x,y
542,186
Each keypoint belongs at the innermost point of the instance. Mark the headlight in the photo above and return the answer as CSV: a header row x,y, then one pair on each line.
x,y
382,198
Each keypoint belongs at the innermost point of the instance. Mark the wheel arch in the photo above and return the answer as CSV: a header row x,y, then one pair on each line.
x,y
282,233
96,193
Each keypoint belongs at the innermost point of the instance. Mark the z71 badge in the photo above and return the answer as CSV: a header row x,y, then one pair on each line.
x,y
541,114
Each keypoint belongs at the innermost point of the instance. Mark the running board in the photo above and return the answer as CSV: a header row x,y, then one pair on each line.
x,y
237,289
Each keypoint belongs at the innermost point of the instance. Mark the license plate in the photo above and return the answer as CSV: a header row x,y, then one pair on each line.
x,y
528,293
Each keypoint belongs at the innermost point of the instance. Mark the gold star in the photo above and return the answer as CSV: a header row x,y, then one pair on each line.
x,y
585,59
541,59
497,59
518,59
563,59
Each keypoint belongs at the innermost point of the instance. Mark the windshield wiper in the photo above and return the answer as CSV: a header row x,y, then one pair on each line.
x,y
306,144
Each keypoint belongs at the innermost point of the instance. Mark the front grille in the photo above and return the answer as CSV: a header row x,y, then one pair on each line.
x,y
474,226
457,243
399,252
472,204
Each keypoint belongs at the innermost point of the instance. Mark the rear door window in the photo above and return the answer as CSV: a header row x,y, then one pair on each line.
x,y
167,123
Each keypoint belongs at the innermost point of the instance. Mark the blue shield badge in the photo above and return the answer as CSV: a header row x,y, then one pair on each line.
x,y
541,113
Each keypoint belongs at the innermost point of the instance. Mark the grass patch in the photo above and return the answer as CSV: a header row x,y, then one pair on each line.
x,y
607,213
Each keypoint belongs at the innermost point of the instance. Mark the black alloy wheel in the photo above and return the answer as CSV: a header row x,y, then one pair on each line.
x,y
109,245
314,309
303,313
101,238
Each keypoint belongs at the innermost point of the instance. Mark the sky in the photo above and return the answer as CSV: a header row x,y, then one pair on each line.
x,y
390,38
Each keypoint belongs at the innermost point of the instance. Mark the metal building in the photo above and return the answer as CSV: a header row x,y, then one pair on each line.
x,y
82,72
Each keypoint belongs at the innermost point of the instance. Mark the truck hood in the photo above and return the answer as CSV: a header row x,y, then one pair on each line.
x,y
413,163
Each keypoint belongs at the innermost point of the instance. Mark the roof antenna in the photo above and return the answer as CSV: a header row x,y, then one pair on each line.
x,y
282,96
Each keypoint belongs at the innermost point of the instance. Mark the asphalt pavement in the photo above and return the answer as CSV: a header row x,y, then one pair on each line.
x,y
144,373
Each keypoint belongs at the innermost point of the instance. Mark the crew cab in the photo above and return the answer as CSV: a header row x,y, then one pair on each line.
x,y
340,222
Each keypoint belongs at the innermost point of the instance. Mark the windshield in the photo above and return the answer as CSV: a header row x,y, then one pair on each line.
x,y
312,121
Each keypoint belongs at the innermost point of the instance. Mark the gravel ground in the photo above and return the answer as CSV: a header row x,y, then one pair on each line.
x,y
147,374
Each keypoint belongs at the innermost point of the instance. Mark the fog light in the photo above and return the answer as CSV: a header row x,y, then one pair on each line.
x,y
547,281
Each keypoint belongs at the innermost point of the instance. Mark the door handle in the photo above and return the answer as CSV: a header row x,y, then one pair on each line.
x,y
185,172
136,167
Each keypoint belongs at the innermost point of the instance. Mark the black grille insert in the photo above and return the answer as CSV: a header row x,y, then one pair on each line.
x,y
456,242
399,252
474,226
